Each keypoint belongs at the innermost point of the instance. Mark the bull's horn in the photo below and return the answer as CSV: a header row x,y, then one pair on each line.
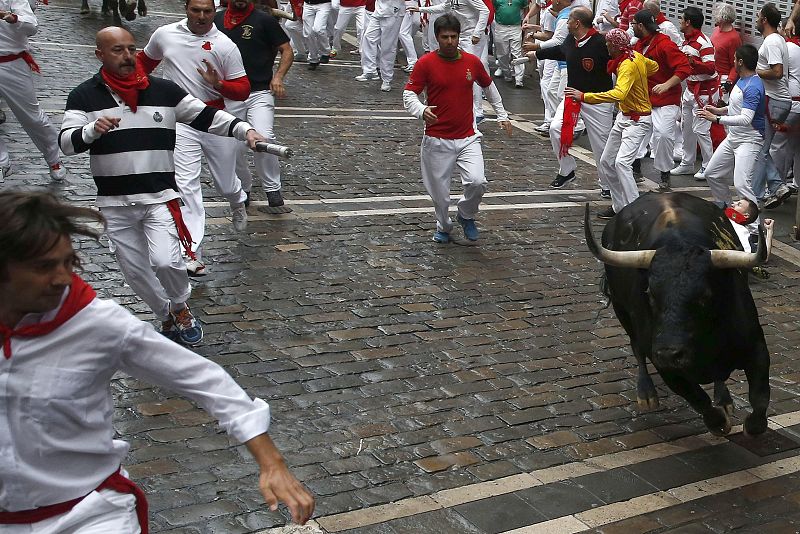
x,y
736,259
635,259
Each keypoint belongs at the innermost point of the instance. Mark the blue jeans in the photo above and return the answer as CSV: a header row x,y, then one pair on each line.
x,y
766,178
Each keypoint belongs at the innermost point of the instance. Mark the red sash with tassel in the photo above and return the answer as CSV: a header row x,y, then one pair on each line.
x,y
184,236
572,109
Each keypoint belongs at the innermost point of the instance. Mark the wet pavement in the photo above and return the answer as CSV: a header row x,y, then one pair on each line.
x,y
417,387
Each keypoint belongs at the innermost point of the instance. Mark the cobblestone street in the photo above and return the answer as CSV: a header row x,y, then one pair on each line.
x,y
416,387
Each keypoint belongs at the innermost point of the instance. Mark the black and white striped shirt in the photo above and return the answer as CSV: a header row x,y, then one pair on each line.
x,y
133,164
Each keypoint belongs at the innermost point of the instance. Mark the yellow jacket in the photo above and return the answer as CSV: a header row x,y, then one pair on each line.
x,y
630,92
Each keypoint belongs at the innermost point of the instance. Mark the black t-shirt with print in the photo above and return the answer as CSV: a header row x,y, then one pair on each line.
x,y
258,39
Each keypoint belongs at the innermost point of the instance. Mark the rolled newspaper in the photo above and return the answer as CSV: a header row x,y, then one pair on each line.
x,y
520,60
281,14
271,148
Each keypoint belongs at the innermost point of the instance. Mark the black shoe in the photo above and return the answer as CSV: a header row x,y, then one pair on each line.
x,y
605,193
753,239
312,66
247,200
637,168
607,213
324,59
664,185
560,180
274,199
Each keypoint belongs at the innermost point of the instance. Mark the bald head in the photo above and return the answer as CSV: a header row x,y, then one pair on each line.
x,y
583,15
116,50
653,7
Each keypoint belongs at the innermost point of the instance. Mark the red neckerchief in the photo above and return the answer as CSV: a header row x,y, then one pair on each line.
x,y
660,18
736,216
589,33
80,295
795,40
614,63
688,38
234,17
127,88
572,109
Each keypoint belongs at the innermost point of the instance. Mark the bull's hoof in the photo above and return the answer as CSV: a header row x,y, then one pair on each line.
x,y
130,15
647,404
84,10
717,421
754,425
142,10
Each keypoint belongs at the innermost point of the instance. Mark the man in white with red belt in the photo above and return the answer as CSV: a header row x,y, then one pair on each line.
x,y
207,64
17,23
61,468
451,139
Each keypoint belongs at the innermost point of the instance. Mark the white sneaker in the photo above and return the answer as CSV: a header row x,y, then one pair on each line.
x,y
239,217
367,76
355,52
700,175
682,170
498,73
543,128
5,171
386,87
518,85
57,172
195,268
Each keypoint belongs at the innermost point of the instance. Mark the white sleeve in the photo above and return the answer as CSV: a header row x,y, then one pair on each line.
x,y
559,35
232,64
153,47
493,97
413,104
483,17
26,21
743,119
148,355
442,7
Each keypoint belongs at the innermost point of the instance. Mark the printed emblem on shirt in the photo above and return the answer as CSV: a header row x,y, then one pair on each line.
x,y
588,64
158,117
247,32
469,75
207,45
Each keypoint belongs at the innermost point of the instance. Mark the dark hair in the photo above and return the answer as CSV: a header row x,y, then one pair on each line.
x,y
34,222
771,13
583,15
752,209
447,21
694,16
749,56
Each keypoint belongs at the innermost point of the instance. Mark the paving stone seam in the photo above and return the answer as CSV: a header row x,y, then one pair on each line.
x,y
473,492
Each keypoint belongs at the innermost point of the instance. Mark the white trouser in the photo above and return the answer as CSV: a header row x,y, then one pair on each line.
x,y
148,251
508,46
550,101
617,159
785,144
381,32
438,157
294,29
696,130
258,111
429,42
315,30
480,50
100,512
598,119
406,37
737,156
345,14
220,153
662,141
16,88
333,16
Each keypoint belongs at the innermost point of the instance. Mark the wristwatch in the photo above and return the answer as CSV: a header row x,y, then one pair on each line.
x,y
718,118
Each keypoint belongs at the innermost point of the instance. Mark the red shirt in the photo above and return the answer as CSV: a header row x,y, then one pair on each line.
x,y
448,84
671,62
725,45
353,3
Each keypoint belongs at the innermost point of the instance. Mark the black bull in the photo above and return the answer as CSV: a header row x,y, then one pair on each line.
x,y
677,278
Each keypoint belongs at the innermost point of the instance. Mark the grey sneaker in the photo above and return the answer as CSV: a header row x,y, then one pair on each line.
x,y
239,217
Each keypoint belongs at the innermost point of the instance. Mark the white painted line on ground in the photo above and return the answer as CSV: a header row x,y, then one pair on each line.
x,y
472,492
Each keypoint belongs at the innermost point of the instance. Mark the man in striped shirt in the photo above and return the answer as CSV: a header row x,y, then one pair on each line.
x,y
127,120
701,86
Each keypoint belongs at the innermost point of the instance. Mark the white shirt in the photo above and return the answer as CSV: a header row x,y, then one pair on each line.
x,y
182,53
773,51
669,29
56,433
743,131
794,75
473,15
609,6
14,37
560,33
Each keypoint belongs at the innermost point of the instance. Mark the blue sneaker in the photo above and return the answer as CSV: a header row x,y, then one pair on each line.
x,y
441,237
470,230
479,119
189,330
